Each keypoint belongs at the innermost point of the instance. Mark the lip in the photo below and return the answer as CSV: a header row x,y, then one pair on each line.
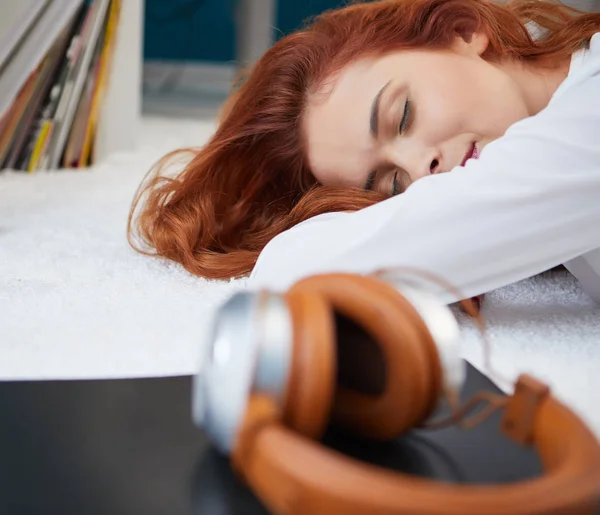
x,y
472,153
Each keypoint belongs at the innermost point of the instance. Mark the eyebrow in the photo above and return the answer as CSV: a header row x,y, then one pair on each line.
x,y
375,111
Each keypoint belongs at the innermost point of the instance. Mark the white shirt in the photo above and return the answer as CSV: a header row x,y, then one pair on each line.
x,y
529,203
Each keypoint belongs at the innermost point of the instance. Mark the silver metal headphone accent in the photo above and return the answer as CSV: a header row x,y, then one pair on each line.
x,y
444,330
248,349
276,346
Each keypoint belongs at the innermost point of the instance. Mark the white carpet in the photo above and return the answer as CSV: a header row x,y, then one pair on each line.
x,y
77,302
548,327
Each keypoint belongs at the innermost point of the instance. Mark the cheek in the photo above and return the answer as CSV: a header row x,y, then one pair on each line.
x,y
467,107
492,100
441,112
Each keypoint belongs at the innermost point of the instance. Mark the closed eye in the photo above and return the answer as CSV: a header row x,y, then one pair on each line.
x,y
395,188
405,116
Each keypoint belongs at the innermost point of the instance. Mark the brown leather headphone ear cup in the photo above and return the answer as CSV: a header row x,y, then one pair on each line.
x,y
413,375
311,388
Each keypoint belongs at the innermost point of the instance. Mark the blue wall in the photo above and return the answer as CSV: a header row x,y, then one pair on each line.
x,y
203,30
292,13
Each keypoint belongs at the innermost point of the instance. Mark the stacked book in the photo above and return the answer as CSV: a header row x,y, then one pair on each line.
x,y
55,57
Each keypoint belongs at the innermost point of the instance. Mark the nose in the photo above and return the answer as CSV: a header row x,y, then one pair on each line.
x,y
415,158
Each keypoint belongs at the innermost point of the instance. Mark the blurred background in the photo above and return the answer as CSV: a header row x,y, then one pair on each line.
x,y
81,80
192,48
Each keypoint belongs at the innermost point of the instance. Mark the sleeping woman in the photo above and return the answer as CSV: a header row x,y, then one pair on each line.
x,y
459,137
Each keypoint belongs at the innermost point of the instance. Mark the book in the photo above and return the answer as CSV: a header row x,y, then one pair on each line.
x,y
74,84
102,72
16,21
45,124
31,51
54,71
46,74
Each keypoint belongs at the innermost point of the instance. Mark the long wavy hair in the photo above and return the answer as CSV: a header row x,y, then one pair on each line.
x,y
251,181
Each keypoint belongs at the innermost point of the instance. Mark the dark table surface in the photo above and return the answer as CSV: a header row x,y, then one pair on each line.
x,y
125,447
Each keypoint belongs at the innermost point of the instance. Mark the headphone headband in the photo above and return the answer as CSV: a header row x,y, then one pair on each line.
x,y
293,475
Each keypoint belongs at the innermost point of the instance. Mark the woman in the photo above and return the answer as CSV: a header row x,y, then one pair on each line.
x,y
331,155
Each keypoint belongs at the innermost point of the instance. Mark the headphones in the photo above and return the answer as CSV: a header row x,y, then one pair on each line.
x,y
376,359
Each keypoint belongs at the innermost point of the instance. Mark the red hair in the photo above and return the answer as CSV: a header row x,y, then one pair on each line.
x,y
251,180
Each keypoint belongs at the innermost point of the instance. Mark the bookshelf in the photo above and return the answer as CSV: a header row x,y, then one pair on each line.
x,y
70,76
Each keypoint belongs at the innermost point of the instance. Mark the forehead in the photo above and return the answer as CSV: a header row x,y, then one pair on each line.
x,y
337,119
336,123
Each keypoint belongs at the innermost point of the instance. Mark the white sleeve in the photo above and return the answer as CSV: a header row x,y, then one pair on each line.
x,y
530,202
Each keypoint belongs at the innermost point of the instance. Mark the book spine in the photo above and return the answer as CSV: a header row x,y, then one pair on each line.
x,y
102,80
76,85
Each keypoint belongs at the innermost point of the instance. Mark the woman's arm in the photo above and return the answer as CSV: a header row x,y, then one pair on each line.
x,y
531,202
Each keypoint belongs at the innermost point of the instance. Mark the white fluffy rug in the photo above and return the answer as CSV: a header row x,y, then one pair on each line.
x,y
548,327
77,302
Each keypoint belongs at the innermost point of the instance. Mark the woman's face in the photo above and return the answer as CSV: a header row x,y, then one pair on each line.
x,y
382,123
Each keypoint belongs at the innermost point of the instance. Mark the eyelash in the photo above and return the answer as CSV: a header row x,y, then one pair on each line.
x,y
407,110
395,189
